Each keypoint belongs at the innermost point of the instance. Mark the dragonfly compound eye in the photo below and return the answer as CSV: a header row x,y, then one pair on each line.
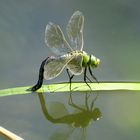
x,y
94,61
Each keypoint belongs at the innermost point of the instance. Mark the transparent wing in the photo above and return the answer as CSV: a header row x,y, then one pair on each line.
x,y
55,65
54,39
75,64
75,30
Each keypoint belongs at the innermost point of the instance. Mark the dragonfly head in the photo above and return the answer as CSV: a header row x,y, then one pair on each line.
x,y
94,61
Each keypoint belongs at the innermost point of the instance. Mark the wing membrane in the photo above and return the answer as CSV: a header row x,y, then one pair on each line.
x,y
55,65
75,64
75,30
54,39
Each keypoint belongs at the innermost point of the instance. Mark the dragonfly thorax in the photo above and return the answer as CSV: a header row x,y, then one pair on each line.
x,y
90,60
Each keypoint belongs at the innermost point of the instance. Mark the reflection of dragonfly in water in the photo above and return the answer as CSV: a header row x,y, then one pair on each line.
x,y
74,59
80,118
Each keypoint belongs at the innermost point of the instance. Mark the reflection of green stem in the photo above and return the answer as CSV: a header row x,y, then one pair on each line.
x,y
64,87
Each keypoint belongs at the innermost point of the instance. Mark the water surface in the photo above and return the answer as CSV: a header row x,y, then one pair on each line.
x,y
61,116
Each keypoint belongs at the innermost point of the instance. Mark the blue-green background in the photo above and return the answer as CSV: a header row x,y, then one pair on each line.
x,y
111,32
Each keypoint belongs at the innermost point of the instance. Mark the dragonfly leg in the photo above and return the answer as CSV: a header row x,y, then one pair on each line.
x,y
71,103
85,76
88,79
70,77
86,101
92,75
40,78
92,103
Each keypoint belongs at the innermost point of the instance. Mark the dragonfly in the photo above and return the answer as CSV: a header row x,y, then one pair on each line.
x,y
70,56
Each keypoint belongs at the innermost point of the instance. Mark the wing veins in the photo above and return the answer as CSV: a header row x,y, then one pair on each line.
x,y
53,68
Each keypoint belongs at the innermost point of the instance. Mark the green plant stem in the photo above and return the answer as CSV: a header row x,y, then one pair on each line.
x,y
76,87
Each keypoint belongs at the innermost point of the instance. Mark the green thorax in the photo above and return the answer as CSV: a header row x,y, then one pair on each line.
x,y
90,60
